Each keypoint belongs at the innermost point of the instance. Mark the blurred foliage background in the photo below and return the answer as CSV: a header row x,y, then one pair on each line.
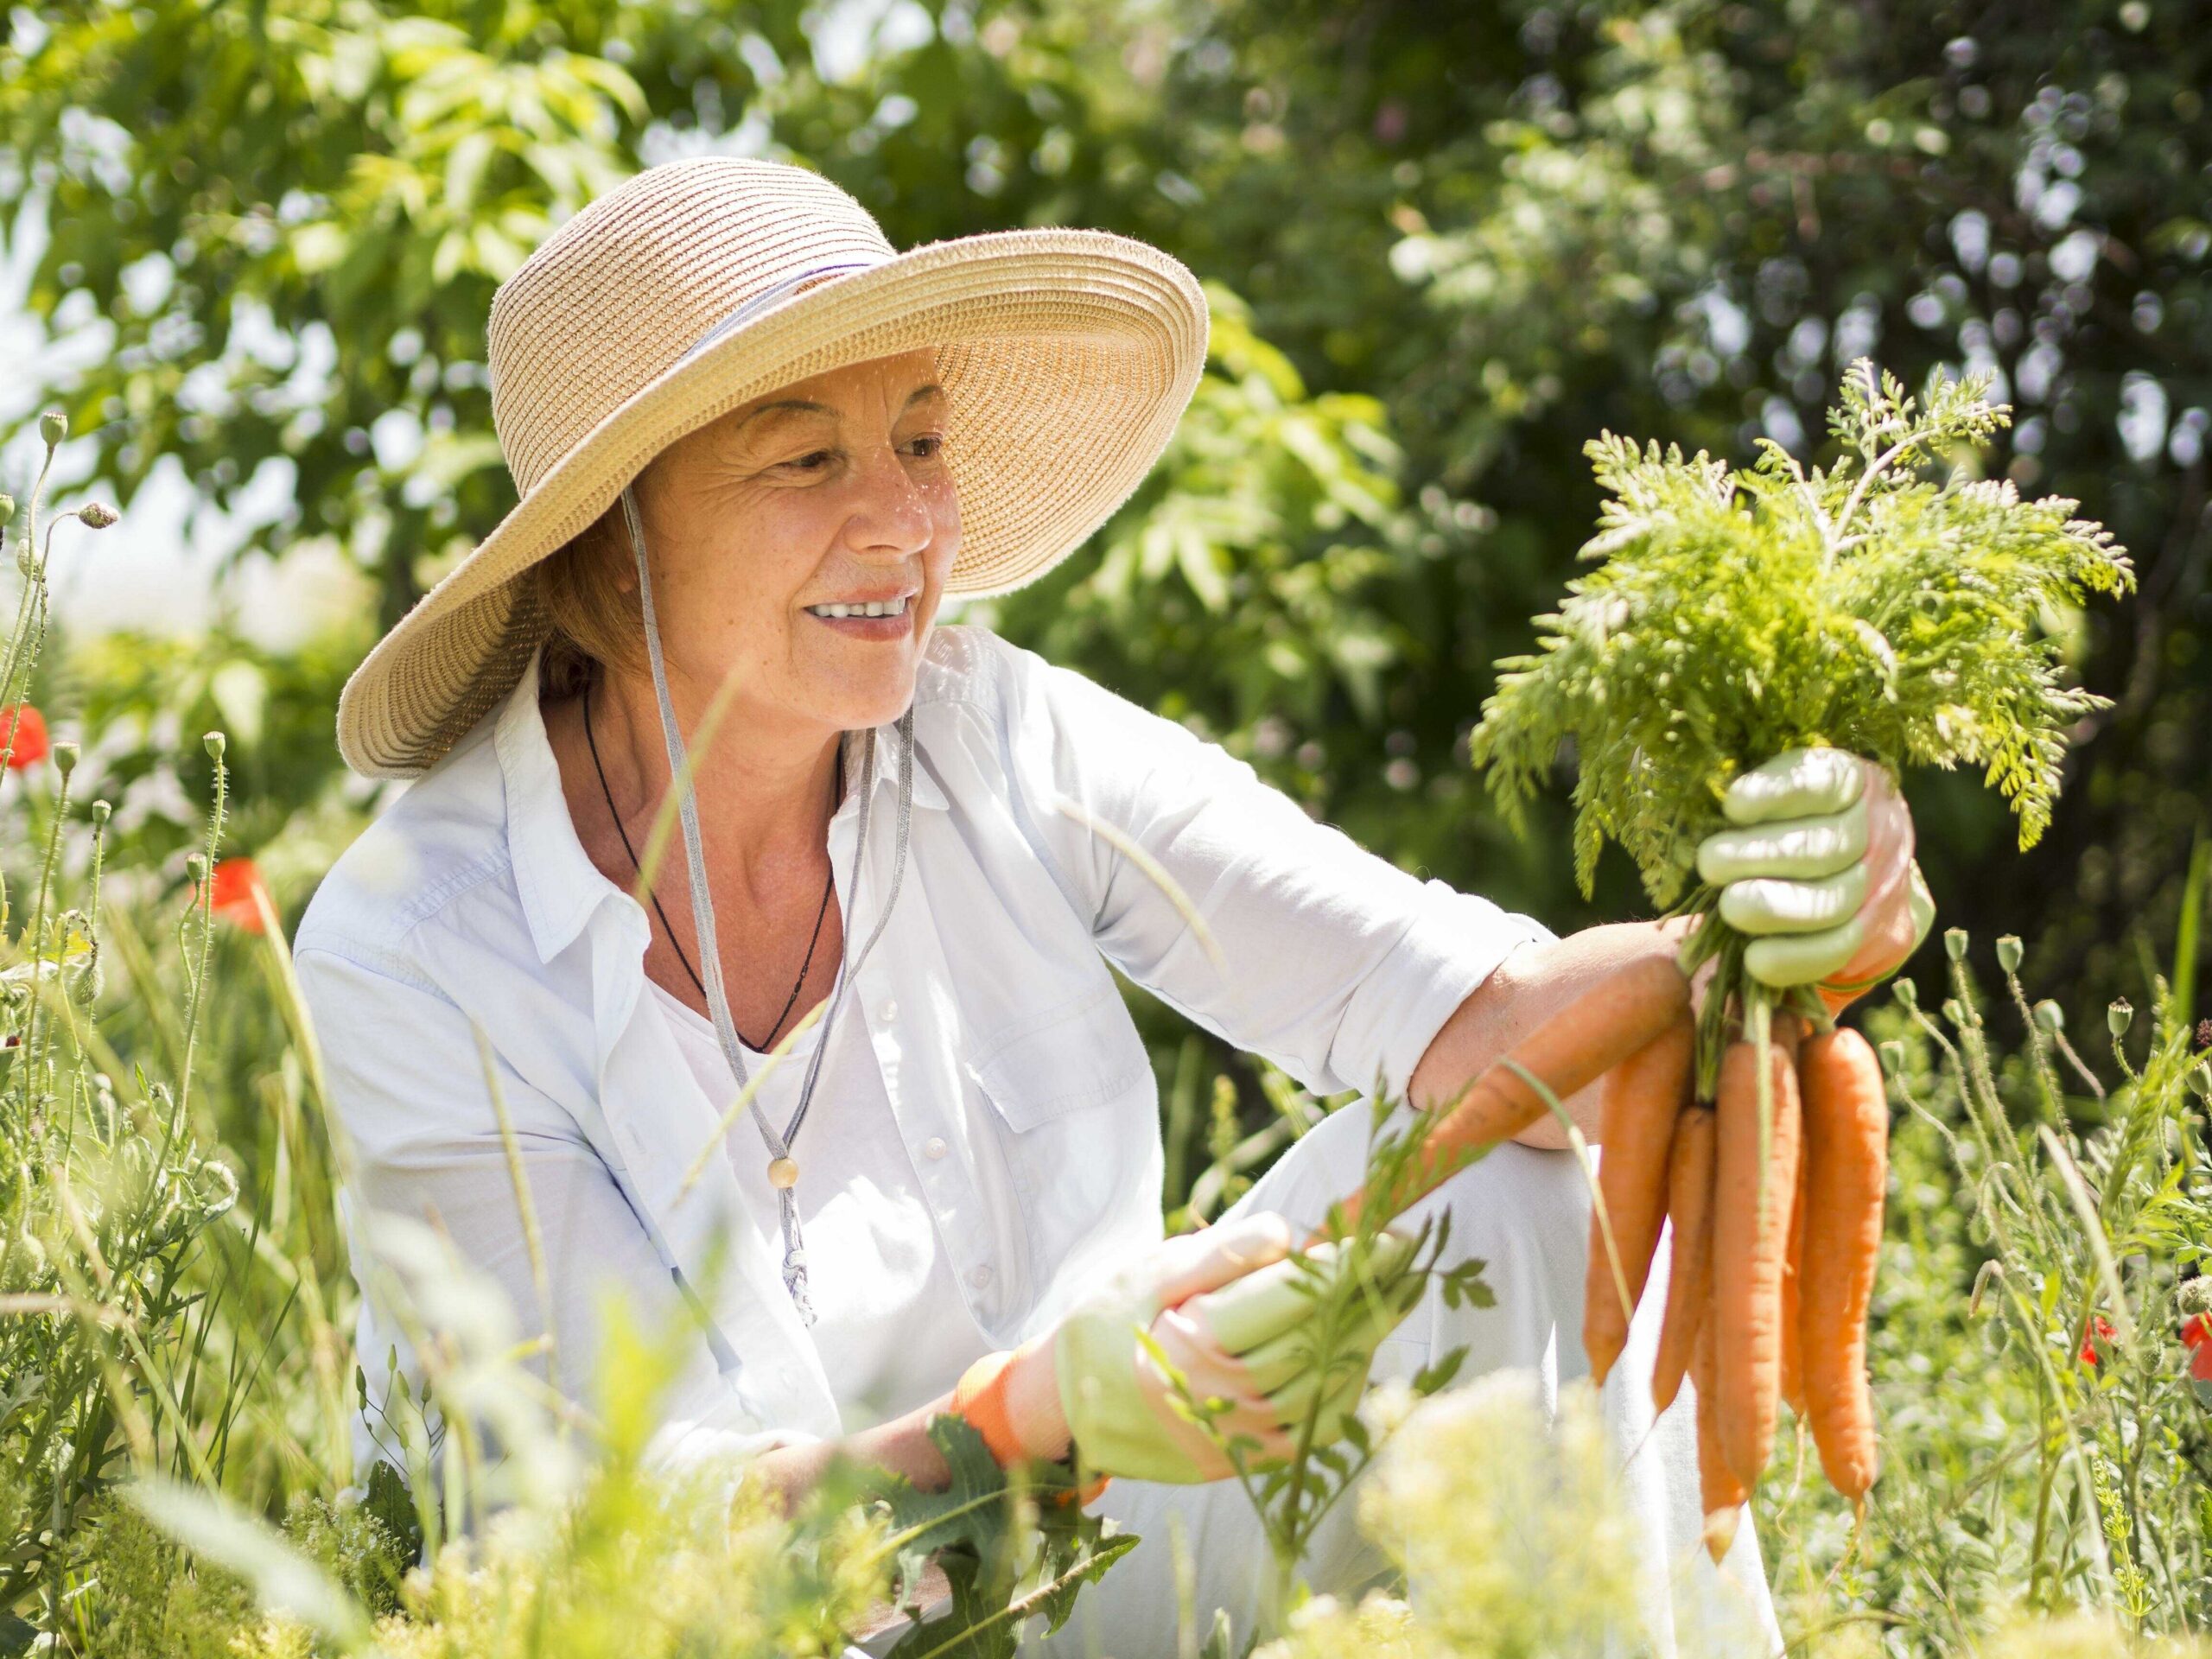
x,y
1445,245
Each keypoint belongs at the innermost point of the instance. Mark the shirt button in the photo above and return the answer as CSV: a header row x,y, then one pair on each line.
x,y
981,1276
887,1010
933,1148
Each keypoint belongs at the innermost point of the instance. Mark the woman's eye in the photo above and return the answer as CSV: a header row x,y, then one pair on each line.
x,y
811,456
936,446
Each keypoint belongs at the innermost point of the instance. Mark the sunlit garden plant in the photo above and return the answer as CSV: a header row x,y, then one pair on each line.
x,y
104,1192
2052,1245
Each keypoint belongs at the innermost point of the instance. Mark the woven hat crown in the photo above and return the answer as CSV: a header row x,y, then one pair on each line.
x,y
615,296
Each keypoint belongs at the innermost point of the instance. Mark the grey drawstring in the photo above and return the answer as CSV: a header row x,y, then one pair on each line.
x,y
702,911
760,303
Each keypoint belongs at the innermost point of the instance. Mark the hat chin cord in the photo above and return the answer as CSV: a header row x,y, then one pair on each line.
x,y
783,1169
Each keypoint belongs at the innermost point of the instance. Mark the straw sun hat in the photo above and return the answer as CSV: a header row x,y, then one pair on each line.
x,y
1067,357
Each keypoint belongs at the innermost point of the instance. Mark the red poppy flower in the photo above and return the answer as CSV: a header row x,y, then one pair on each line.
x,y
2099,1329
26,726
2196,1337
232,895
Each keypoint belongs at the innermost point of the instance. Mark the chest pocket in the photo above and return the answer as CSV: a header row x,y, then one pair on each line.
x,y
1083,1053
1075,1110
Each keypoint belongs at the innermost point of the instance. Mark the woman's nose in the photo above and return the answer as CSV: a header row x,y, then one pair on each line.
x,y
894,513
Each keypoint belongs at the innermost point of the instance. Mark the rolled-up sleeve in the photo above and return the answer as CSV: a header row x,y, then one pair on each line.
x,y
1335,964
421,1139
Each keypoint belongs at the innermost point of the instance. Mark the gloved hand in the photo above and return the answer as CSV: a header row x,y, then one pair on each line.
x,y
1226,1308
1818,866
1265,1320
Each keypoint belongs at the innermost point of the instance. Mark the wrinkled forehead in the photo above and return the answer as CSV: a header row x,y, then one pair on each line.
x,y
902,381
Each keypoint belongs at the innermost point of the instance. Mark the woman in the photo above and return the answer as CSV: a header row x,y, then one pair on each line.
x,y
756,449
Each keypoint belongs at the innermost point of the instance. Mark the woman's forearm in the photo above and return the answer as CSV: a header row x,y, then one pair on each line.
x,y
1526,989
901,1444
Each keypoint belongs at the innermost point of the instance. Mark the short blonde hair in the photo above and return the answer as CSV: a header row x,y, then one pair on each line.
x,y
584,592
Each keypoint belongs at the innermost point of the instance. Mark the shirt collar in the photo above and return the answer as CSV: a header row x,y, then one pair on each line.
x,y
559,884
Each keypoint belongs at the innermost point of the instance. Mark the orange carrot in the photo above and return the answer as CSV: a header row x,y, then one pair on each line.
x,y
1847,1143
1569,1051
1793,1373
1643,1097
1721,1495
1748,1243
1689,1278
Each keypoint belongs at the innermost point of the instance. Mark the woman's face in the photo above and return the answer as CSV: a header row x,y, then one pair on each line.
x,y
832,492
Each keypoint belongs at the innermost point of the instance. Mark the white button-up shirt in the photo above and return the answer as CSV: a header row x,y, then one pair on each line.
x,y
1020,1088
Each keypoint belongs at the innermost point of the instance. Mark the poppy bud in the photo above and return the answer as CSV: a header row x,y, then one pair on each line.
x,y
7,506
2050,1016
1907,994
94,515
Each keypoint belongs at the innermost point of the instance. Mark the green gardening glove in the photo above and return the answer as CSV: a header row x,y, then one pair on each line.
x,y
1817,866
1266,1319
1209,1299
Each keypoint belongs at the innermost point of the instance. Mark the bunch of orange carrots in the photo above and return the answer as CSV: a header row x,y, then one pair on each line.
x,y
1775,1194
1776,1197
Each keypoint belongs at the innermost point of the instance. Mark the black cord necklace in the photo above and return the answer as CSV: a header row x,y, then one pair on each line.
x,y
827,886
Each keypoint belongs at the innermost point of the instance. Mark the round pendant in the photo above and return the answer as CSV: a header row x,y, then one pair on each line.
x,y
783,1173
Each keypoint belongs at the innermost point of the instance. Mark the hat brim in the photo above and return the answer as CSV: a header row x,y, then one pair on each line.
x,y
1067,356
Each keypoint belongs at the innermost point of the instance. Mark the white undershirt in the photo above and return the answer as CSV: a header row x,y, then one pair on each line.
x,y
891,1326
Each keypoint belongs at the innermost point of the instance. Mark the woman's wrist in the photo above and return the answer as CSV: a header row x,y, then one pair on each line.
x,y
1034,1401
1012,1399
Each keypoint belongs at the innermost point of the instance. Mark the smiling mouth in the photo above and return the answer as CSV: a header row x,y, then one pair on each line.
x,y
879,607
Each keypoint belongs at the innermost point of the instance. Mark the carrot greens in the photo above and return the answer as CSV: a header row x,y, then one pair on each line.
x,y
1735,613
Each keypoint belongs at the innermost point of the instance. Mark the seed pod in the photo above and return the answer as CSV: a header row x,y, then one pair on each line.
x,y
1954,943
2118,1016
53,427
2008,953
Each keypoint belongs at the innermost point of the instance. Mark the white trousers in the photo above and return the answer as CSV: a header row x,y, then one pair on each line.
x,y
1526,1214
